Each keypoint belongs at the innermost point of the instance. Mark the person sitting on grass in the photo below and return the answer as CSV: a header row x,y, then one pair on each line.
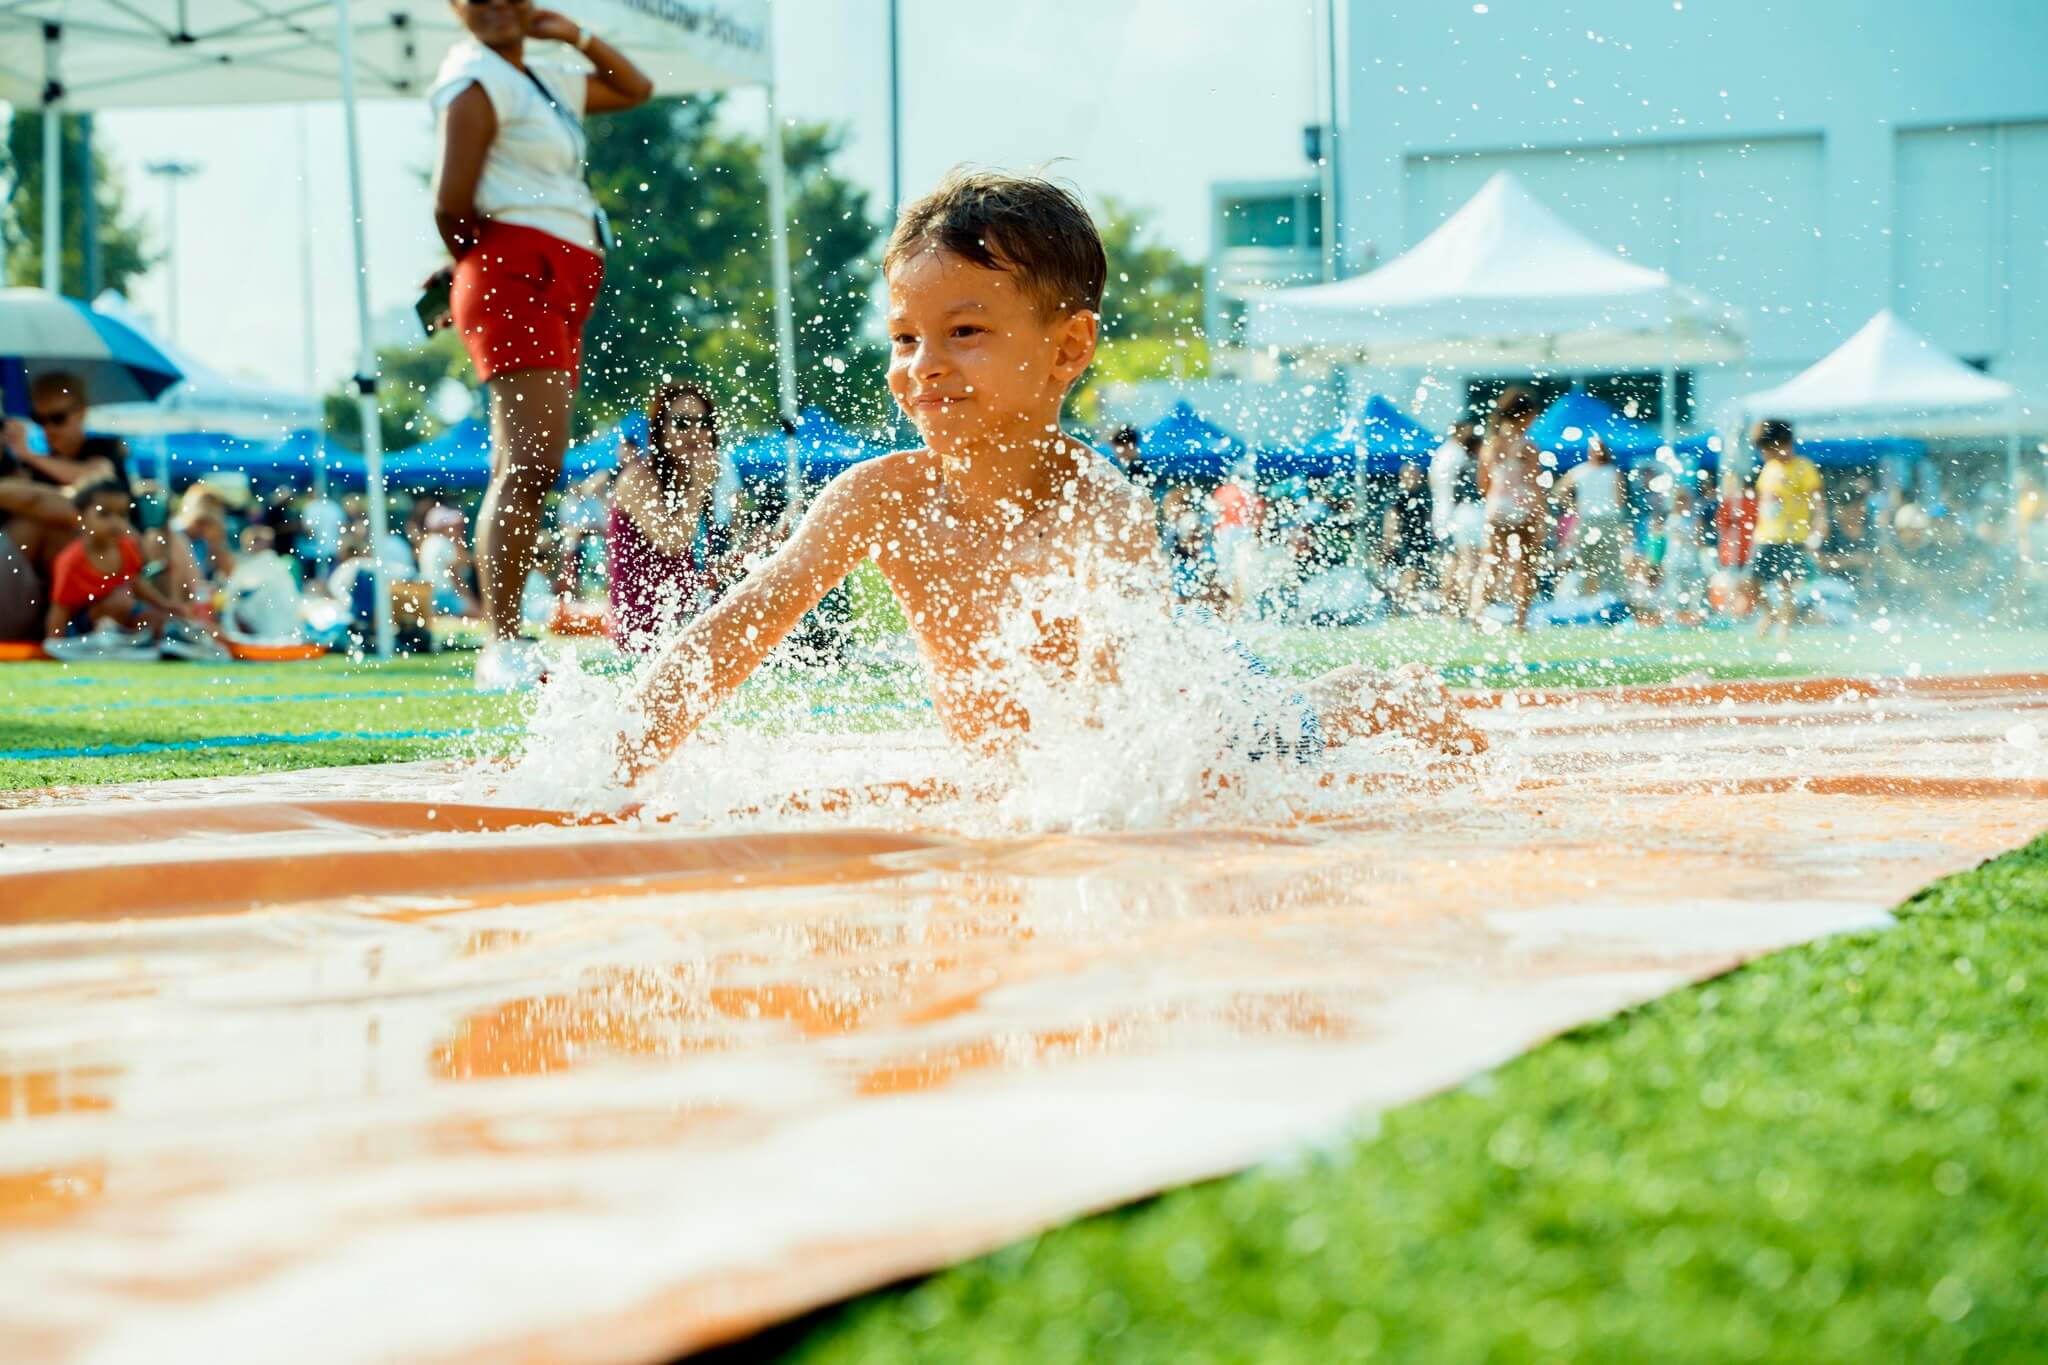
x,y
995,287
98,577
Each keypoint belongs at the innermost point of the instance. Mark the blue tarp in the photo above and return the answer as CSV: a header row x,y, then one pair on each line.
x,y
824,450
1384,435
1185,445
459,458
601,452
1569,425
1846,454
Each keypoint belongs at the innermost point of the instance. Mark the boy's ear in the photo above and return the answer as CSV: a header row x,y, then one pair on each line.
x,y
1077,336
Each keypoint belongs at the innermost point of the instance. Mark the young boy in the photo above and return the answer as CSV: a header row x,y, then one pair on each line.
x,y
98,577
995,295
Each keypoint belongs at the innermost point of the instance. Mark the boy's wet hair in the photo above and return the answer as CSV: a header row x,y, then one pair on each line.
x,y
98,491
1024,225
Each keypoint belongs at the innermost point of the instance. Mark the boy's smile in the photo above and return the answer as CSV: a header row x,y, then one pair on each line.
x,y
973,357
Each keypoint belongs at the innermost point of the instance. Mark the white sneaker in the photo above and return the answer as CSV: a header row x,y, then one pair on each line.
x,y
509,666
186,641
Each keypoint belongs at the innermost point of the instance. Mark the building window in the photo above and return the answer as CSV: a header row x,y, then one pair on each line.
x,y
1274,221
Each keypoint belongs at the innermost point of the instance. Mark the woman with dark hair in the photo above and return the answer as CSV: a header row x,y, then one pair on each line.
x,y
1517,516
512,203
669,554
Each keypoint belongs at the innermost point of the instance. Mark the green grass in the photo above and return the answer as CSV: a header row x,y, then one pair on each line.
x,y
364,710
1838,1153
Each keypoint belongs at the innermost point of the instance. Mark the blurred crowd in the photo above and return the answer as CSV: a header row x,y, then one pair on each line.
x,y
1487,529
1492,530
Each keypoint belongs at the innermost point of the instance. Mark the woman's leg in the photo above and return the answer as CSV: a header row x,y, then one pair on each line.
x,y
1521,554
529,431
1492,545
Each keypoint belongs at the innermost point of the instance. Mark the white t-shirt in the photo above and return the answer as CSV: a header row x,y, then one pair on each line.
x,y
1444,467
324,521
1596,491
533,172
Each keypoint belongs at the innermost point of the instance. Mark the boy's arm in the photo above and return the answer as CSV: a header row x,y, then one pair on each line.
x,y
152,596
720,649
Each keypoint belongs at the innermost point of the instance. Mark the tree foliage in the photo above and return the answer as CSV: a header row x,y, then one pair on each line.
x,y
1151,311
407,378
123,255
689,290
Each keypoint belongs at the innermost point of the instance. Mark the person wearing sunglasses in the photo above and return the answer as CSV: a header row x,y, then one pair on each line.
x,y
669,545
57,405
513,205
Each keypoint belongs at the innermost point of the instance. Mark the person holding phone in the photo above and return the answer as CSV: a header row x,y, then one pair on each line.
x,y
528,239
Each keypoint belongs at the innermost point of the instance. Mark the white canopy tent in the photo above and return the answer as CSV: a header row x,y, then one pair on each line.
x,y
1889,380
60,55
1504,281
206,399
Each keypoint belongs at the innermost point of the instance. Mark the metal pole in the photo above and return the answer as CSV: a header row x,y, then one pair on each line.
x,y
366,359
88,213
171,253
785,322
307,364
1668,402
2012,448
895,113
53,160
1333,216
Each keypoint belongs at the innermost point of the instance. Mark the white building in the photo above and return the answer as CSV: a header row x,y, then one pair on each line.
x,y
1809,163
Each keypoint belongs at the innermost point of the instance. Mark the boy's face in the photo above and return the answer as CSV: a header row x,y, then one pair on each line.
x,y
972,356
106,516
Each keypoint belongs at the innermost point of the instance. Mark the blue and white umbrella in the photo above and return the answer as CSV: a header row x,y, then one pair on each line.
x,y
42,332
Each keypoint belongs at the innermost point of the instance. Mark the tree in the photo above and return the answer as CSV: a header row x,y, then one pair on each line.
x,y
121,250
1151,312
689,290
407,378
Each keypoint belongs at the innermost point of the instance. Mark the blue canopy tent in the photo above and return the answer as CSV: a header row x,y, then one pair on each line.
x,y
306,453
824,450
1185,445
1381,438
601,452
1569,426
459,458
297,459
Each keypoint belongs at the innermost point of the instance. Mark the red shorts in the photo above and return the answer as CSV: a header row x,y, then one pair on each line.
x,y
521,298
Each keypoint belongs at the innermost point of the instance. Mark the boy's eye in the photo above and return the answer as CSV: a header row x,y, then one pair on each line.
x,y
968,329
904,339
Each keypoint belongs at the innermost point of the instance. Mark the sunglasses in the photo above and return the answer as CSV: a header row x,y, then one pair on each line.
x,y
699,421
54,419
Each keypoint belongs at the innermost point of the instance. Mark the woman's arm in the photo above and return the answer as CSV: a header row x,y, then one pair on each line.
x,y
720,649
615,83
466,132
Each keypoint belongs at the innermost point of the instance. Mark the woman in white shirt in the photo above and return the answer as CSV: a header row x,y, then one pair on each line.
x,y
513,206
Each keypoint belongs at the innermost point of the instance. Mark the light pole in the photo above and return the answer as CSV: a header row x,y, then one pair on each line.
x,y
171,172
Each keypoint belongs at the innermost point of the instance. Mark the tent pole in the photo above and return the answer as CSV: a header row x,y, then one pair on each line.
x,y
785,325
53,160
2012,448
1668,402
366,359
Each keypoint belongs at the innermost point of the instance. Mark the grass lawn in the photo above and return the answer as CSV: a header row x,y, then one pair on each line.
x,y
1837,1153
87,723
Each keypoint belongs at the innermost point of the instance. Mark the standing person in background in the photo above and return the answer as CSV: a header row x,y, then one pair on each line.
x,y
1599,524
1407,539
1791,522
320,546
1238,514
1124,445
513,206
1517,519
670,556
1456,516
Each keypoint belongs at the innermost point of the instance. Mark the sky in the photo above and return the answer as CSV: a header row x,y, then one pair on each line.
x,y
1148,101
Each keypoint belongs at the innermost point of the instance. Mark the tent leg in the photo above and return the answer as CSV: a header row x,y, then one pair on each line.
x,y
366,359
1667,405
2012,449
785,322
53,160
